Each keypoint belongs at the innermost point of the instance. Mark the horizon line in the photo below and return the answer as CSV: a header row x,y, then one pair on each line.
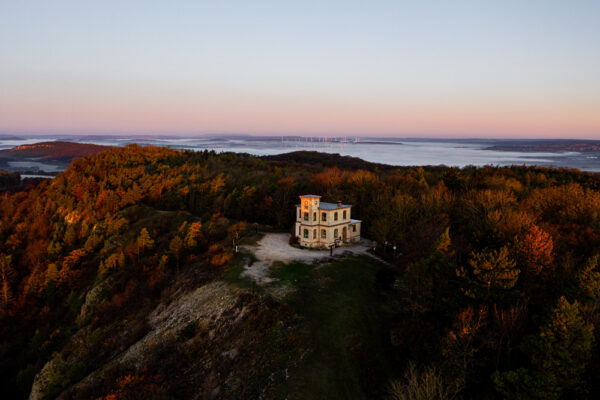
x,y
324,135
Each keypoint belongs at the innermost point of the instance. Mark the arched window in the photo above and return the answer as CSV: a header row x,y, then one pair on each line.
x,y
314,234
324,216
306,233
344,215
323,234
335,233
314,216
335,216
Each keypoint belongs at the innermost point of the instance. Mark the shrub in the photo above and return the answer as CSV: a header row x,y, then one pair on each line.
x,y
419,385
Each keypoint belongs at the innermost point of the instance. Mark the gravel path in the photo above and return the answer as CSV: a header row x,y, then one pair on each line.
x,y
275,247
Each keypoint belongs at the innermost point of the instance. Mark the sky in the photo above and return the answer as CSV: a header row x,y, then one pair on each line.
x,y
517,69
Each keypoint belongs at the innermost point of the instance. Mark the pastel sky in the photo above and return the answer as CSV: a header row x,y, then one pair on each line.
x,y
384,68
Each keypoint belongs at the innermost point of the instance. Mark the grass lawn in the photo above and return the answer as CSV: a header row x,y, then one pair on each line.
x,y
344,326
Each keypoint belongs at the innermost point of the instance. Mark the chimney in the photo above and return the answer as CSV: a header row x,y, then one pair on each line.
x,y
339,203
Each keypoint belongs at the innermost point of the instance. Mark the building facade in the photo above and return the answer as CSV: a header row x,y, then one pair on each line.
x,y
320,224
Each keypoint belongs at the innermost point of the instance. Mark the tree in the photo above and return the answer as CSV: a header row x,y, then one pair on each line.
x,y
509,324
164,259
144,241
193,233
176,246
534,251
588,280
54,249
70,235
121,259
494,268
444,242
236,231
559,355
51,273
283,197
110,263
329,179
460,347
7,274
420,385
454,180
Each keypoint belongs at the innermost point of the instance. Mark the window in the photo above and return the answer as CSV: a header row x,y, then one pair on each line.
x,y
324,216
353,228
299,213
344,217
335,234
314,216
323,234
299,231
314,234
306,233
335,216
306,216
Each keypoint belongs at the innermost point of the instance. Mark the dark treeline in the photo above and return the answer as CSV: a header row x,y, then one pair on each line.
x,y
495,295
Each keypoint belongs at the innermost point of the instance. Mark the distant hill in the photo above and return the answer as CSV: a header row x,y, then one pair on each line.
x,y
9,137
45,157
53,150
560,145
316,158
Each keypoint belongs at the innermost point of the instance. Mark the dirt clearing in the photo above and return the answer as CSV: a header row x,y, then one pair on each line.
x,y
275,247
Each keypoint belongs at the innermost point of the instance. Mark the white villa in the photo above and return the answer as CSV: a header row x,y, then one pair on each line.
x,y
320,224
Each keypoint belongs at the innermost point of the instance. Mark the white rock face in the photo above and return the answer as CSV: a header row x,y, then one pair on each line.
x,y
45,376
206,303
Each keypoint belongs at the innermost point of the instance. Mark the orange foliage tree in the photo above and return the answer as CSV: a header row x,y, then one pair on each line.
x,y
534,250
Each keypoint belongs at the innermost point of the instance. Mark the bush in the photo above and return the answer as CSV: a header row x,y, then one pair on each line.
x,y
419,385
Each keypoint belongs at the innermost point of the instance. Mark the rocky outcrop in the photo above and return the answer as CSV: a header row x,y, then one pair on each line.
x,y
202,305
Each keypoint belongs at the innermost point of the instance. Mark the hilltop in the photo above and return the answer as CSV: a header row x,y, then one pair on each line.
x,y
119,278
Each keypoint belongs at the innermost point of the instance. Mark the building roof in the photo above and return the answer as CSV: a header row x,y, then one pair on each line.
x,y
354,221
311,196
332,206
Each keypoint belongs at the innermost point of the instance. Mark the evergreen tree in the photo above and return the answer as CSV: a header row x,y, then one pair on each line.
x,y
559,355
494,268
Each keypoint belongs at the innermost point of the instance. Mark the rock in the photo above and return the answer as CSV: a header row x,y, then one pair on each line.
x,y
49,372
231,353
